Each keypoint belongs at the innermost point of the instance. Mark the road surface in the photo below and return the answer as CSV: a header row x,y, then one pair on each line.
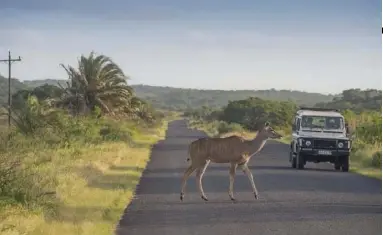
x,y
317,200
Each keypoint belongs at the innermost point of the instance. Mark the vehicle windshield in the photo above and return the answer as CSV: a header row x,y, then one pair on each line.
x,y
322,122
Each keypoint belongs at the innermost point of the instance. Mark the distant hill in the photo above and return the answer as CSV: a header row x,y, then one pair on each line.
x,y
182,98
36,83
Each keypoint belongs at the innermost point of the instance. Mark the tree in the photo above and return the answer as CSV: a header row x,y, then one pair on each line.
x,y
43,92
97,82
47,92
357,100
253,112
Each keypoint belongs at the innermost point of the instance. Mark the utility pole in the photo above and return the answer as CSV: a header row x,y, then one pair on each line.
x,y
9,61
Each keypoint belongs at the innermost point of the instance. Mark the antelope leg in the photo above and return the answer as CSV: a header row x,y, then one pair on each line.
x,y
247,171
200,173
187,173
233,168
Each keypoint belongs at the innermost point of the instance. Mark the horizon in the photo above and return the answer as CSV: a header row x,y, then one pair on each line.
x,y
201,45
212,89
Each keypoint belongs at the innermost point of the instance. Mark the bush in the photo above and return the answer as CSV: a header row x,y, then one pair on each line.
x,y
377,160
25,175
23,180
224,127
253,112
113,132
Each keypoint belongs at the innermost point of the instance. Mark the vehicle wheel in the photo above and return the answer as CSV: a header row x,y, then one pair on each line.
x,y
345,164
300,161
337,166
293,161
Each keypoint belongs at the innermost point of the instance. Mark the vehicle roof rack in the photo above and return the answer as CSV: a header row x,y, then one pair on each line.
x,y
319,109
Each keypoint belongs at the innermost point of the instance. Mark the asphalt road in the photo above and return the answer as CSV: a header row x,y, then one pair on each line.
x,y
317,200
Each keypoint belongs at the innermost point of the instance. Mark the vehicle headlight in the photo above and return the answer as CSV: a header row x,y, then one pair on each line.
x,y
308,142
346,144
340,145
300,142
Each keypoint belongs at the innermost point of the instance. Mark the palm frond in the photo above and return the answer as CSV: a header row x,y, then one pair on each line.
x,y
98,81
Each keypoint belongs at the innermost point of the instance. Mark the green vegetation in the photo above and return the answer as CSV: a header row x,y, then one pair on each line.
x,y
72,159
3,117
77,147
244,117
16,85
249,115
366,131
356,100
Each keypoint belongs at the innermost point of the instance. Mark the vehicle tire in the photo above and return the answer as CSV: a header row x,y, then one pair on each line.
x,y
300,161
337,166
293,161
345,163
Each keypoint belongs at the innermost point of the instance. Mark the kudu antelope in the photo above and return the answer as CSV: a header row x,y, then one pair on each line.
x,y
234,150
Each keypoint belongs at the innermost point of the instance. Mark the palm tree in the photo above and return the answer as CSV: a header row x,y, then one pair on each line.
x,y
97,82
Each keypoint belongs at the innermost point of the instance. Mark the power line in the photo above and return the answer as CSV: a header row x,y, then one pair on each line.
x,y
9,61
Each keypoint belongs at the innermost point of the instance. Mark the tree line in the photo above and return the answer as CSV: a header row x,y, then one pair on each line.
x,y
356,100
181,99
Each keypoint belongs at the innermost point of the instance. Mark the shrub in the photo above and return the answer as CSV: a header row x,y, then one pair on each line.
x,y
25,175
224,127
377,160
113,132
23,181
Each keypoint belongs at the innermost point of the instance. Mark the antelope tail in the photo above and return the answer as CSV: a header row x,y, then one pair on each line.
x,y
188,159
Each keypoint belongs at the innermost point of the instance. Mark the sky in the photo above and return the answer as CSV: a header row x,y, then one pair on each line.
x,y
317,46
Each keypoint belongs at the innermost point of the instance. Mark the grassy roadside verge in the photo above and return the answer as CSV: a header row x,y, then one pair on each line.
x,y
361,157
93,183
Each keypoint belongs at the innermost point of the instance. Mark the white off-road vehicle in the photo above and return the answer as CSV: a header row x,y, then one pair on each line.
x,y
320,135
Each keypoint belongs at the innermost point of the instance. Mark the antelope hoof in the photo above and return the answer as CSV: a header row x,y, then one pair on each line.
x,y
204,198
182,196
256,196
233,199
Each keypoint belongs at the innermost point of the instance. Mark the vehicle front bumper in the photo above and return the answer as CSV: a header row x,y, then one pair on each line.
x,y
315,152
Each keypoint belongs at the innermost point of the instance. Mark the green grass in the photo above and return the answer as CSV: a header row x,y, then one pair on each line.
x,y
93,183
286,139
366,171
362,160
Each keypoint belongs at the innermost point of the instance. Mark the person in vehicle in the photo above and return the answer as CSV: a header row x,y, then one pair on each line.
x,y
333,123
307,122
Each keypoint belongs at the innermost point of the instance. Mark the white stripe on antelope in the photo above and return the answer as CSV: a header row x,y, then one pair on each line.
x,y
234,150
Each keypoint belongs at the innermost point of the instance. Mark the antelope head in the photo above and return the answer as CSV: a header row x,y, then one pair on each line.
x,y
268,132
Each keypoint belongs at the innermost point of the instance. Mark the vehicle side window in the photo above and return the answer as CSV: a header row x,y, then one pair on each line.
x,y
298,124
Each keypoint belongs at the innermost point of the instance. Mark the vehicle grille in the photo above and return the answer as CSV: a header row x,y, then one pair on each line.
x,y
325,144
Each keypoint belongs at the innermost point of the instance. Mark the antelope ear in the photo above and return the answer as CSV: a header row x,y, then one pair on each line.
x,y
267,124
